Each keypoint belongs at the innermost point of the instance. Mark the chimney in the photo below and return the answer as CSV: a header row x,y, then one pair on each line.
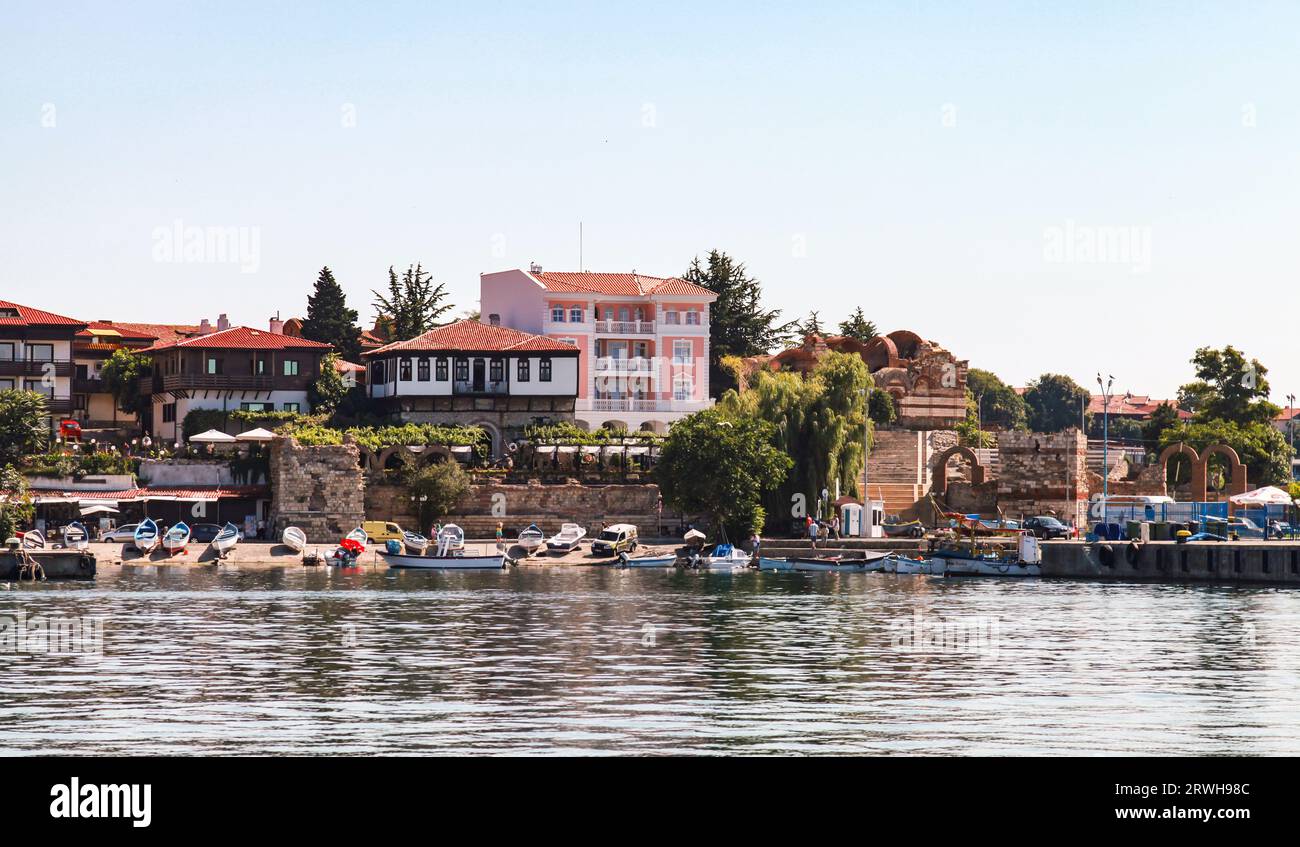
x,y
205,327
534,268
223,322
277,325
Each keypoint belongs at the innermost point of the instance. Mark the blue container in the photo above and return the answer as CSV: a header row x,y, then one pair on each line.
x,y
393,546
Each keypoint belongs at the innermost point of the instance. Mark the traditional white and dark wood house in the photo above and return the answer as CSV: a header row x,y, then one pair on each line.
x,y
468,372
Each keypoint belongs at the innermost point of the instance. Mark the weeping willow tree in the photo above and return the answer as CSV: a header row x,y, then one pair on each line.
x,y
817,421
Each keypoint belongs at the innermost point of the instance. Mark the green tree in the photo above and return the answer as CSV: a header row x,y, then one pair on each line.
x,y
1053,403
1261,447
121,375
1001,407
857,326
738,323
413,304
720,465
329,389
812,325
24,424
881,407
817,422
16,508
1164,417
437,489
1229,388
329,320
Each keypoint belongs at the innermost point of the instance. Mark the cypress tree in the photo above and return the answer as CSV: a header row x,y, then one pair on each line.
x,y
329,320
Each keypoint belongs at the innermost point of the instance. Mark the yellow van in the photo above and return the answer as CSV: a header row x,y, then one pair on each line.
x,y
614,539
381,531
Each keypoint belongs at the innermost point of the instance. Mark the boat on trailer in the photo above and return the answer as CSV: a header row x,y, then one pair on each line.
x,y
75,536
146,538
567,539
177,538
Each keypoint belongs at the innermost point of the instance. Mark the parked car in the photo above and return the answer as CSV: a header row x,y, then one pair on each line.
x,y
614,539
1047,527
125,532
381,531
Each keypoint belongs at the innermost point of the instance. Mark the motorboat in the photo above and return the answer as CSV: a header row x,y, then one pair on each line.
x,y
870,561
146,538
75,536
567,539
694,538
720,557
971,559
900,564
226,540
453,560
415,541
177,538
294,538
665,561
531,539
451,539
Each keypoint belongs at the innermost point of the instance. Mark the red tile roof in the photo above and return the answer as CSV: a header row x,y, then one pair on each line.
x,y
1134,405
163,333
220,492
239,338
620,285
469,334
27,316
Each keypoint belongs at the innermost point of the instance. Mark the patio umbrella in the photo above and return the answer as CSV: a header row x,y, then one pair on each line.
x,y
98,509
212,436
258,434
1269,495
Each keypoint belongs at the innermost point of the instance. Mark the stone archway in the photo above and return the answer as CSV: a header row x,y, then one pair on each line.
x,y
977,470
1237,481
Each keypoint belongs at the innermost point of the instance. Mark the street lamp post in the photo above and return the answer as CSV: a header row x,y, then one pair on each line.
x,y
1105,440
866,450
1290,422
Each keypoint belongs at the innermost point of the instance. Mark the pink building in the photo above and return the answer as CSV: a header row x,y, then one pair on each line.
x,y
643,340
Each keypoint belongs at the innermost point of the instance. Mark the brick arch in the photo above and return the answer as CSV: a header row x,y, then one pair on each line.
x,y
1236,469
977,471
880,352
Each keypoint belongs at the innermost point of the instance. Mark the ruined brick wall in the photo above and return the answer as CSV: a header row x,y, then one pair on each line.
x,y
548,506
1042,473
901,467
318,489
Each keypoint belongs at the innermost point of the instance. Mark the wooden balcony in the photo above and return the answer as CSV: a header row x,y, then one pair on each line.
x,y
215,382
28,367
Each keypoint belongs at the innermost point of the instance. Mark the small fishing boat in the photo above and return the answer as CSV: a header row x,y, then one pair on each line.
x,y
294,538
720,557
895,528
567,539
694,538
869,562
348,551
360,536
177,538
225,540
415,541
971,559
458,560
34,539
531,539
451,539
146,536
899,564
665,561
75,536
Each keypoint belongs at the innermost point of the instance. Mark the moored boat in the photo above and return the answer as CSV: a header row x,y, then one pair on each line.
x,y
971,559
34,539
458,561
294,538
567,539
720,557
146,538
415,541
870,561
664,561
75,536
900,564
177,538
225,540
451,538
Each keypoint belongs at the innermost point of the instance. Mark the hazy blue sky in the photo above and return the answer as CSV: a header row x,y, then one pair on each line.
x,y
943,165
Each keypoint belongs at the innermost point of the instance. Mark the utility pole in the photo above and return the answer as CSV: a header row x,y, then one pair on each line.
x,y
1105,440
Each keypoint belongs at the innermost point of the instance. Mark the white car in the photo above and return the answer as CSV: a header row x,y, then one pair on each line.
x,y
126,532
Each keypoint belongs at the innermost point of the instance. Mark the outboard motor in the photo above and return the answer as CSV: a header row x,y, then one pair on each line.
x,y
622,558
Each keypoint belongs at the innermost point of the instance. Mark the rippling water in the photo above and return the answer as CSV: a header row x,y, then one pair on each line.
x,y
598,661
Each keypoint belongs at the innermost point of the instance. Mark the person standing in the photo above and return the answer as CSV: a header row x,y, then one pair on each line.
x,y
501,536
835,527
812,532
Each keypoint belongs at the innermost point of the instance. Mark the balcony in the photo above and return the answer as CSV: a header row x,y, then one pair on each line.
x,y
88,385
606,327
627,404
29,367
617,365
218,382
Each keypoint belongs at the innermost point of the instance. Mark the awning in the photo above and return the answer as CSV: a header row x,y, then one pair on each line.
x,y
98,509
1269,495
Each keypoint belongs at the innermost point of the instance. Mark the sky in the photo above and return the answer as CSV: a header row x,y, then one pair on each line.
x,y
1038,187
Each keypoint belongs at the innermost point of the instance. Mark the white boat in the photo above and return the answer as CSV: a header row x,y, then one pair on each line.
x,y
694,537
294,538
75,536
665,561
359,535
225,540
567,539
970,560
415,541
34,539
869,562
458,561
721,557
146,538
531,539
177,538
451,539
906,565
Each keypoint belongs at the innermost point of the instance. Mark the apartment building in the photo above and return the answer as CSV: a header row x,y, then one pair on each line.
x,y
36,355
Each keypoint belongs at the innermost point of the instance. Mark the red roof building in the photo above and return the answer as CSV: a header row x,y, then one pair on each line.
x,y
36,355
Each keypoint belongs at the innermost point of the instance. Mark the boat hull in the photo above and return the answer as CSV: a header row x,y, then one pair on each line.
x,y
988,567
647,562
295,539
403,561
903,565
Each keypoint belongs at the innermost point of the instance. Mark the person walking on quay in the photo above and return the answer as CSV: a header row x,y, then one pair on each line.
x,y
812,532
835,527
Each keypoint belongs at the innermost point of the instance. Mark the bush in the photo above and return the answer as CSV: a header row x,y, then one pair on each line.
x,y
437,489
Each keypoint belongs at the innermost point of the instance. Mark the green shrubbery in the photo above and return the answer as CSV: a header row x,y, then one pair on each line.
x,y
567,433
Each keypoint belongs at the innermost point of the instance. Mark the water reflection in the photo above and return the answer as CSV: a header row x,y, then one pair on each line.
x,y
201,660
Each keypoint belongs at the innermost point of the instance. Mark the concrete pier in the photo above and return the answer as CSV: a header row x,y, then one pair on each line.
x,y
56,564
1228,562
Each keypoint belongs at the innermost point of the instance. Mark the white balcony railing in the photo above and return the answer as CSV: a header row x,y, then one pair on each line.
x,y
603,404
615,364
626,327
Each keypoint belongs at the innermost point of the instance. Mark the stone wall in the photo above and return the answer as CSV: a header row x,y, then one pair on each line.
x,y
517,506
1042,473
319,489
901,467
